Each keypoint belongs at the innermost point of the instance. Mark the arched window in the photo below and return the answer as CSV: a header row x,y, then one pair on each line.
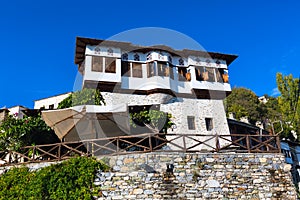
x,y
136,57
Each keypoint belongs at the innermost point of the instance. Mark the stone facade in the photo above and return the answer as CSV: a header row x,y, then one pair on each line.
x,y
197,176
181,108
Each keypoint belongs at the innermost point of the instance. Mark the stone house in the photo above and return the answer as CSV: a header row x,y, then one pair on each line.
x,y
188,84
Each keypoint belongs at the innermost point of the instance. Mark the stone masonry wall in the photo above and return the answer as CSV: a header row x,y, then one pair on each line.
x,y
197,176
181,108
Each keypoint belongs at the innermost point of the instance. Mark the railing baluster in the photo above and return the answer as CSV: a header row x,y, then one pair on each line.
x,y
278,144
150,143
59,151
118,145
248,144
184,143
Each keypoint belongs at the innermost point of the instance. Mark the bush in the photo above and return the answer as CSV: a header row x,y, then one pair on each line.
x,y
71,179
86,96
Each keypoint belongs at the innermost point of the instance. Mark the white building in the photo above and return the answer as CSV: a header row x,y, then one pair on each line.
x,y
188,84
17,111
50,102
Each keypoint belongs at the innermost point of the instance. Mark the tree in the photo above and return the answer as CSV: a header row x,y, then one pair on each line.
x,y
289,103
243,103
155,120
86,96
16,133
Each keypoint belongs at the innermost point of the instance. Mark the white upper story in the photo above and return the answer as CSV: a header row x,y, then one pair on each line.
x,y
128,67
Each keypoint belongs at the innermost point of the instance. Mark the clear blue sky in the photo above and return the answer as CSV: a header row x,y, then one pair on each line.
x,y
38,38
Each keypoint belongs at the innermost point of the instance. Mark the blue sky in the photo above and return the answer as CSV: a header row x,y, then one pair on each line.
x,y
38,38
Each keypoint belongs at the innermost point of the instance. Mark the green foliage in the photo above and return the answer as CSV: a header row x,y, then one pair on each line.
x,y
16,133
71,179
86,96
289,103
154,119
243,103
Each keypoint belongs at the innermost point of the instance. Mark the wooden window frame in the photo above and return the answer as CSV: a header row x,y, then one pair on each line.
x,y
209,124
97,63
151,71
137,73
125,68
191,122
110,64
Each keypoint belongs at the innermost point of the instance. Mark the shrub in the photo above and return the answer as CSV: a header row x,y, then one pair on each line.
x,y
71,179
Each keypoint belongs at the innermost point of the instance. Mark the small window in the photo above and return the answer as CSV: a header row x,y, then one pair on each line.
x,y
136,57
209,124
162,69
183,74
110,65
219,73
211,74
97,64
51,107
150,69
222,75
199,71
125,68
137,70
191,122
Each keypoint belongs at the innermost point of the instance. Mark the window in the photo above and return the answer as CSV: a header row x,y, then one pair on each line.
x,y
110,65
51,107
136,57
209,124
137,70
191,122
150,69
125,68
162,69
183,74
222,75
219,73
225,76
97,64
210,73
199,71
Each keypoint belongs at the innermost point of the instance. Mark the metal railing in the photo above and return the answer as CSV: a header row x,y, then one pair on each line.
x,y
143,143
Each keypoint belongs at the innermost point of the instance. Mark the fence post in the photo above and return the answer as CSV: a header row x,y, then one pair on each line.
x,y
88,149
118,145
278,143
184,143
248,143
59,151
33,153
217,143
150,142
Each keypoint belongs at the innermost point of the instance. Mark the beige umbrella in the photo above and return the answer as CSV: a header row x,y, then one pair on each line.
x,y
88,122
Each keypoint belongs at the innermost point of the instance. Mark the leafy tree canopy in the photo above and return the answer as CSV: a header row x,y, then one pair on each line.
x,y
289,103
243,103
155,120
16,133
86,96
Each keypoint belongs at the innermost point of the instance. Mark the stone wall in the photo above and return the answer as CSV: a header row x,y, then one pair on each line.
x,y
197,176
181,108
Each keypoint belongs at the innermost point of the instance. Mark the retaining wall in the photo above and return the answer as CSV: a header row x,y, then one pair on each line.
x,y
197,176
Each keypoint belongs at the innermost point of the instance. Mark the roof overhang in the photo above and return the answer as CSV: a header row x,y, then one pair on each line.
x,y
82,42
